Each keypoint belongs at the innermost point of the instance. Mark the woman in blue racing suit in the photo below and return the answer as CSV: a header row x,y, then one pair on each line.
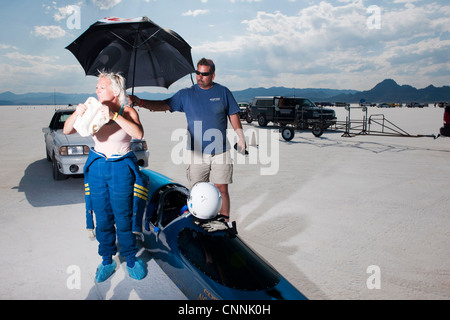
x,y
112,177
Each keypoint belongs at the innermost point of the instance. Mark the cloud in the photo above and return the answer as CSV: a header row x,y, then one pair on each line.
x,y
7,46
16,57
195,13
31,73
49,32
234,1
106,4
64,12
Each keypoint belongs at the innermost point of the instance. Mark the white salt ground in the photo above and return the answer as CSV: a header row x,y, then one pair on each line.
x,y
363,217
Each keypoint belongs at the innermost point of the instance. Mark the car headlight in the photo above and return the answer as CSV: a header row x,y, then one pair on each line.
x,y
139,146
73,150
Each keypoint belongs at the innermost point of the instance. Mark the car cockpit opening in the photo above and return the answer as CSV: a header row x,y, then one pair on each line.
x,y
227,260
165,205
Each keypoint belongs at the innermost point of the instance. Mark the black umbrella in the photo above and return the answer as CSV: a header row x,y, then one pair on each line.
x,y
145,53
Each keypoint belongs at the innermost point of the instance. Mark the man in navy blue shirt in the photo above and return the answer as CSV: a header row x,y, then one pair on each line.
x,y
208,106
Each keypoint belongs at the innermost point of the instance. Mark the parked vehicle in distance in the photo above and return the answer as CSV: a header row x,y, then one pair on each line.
x,y
341,104
442,104
324,104
384,105
243,106
292,113
367,104
417,105
68,153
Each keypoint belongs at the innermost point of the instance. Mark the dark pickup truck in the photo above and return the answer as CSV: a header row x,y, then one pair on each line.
x,y
291,113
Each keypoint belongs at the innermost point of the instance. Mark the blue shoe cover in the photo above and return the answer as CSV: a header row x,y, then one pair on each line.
x,y
139,271
105,271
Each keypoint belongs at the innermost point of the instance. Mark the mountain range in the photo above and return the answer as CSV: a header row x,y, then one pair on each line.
x,y
386,91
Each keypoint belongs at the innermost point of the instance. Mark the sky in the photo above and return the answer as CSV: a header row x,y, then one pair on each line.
x,y
336,44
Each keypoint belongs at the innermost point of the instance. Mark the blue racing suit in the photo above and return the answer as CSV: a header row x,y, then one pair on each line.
x,y
116,191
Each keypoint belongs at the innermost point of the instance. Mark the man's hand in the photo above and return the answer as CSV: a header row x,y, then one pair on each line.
x,y
133,101
241,149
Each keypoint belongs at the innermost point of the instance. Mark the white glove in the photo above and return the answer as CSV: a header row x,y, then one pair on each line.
x,y
215,225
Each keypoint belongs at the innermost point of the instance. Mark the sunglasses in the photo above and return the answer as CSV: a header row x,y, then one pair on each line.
x,y
204,74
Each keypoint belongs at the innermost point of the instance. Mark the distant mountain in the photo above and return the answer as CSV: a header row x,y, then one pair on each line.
x,y
390,92
50,98
42,98
313,94
385,91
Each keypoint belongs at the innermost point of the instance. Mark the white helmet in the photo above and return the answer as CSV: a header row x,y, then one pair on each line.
x,y
204,201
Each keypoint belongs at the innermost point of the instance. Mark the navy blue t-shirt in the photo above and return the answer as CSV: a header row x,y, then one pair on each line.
x,y
207,114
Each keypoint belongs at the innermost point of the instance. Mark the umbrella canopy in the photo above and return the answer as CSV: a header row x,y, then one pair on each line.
x,y
143,52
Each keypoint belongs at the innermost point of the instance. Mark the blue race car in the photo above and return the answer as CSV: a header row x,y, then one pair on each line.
x,y
205,265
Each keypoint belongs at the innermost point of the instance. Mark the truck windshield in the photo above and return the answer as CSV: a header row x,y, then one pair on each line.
x,y
292,102
227,260
300,102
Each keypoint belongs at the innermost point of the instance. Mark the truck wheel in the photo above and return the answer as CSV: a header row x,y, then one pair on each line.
x,y
262,122
317,130
287,133
249,118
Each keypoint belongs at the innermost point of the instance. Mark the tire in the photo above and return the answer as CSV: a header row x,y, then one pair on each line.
x,y
248,118
49,159
287,133
55,171
262,122
317,130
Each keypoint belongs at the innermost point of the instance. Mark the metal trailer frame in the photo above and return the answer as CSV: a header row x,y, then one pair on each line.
x,y
363,127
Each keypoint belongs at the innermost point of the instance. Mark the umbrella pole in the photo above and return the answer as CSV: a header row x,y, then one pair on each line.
x,y
135,59
134,70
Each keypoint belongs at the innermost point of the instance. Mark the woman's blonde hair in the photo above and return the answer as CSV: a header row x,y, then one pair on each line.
x,y
117,85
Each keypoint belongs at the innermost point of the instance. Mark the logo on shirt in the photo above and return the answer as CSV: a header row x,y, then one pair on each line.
x,y
214,99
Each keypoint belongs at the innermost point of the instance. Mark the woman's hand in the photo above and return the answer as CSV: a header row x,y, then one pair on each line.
x,y
106,112
80,110
68,125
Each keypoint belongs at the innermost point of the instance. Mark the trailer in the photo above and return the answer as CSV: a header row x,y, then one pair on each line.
x,y
290,114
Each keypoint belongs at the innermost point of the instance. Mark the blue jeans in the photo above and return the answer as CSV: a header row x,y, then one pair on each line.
x,y
111,190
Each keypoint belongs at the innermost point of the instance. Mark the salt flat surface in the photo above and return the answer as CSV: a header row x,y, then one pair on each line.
x,y
324,211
